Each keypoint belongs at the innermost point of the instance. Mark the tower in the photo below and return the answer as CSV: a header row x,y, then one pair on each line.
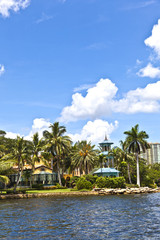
x,y
105,148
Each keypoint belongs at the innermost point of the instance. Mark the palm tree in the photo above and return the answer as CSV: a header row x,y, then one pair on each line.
x,y
36,148
84,156
56,143
5,167
20,154
116,153
128,158
135,143
101,159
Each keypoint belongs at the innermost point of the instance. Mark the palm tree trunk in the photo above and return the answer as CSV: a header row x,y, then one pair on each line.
x,y
86,168
18,180
138,175
32,176
129,175
59,175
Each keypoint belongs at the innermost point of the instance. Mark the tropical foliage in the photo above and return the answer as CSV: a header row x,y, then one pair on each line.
x,y
57,144
84,156
136,142
55,149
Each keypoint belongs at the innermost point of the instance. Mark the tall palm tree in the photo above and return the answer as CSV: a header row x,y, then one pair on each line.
x,y
128,158
84,156
56,143
136,142
36,148
20,154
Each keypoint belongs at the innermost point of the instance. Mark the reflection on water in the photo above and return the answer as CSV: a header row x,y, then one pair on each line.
x,y
89,217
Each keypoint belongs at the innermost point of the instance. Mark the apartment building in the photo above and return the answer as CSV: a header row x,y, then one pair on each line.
x,y
152,155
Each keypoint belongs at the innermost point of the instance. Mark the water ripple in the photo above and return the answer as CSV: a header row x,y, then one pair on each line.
x,y
77,218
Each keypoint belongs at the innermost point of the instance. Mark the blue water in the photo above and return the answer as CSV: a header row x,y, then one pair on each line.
x,y
89,217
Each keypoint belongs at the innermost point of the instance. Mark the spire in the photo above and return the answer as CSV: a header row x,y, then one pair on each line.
x,y
106,139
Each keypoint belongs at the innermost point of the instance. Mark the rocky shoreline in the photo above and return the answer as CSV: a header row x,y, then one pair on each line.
x,y
96,191
114,191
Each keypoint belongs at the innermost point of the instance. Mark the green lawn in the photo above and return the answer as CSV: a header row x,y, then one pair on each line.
x,y
49,191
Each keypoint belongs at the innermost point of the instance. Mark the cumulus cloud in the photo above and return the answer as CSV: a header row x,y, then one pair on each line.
x,y
101,100
12,5
2,69
12,135
95,131
93,105
149,71
154,40
39,125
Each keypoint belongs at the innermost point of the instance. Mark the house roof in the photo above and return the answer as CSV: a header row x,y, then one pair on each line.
x,y
106,170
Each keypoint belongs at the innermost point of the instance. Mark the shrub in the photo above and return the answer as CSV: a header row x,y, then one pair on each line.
x,y
106,182
73,181
58,186
101,182
82,183
20,191
63,181
91,178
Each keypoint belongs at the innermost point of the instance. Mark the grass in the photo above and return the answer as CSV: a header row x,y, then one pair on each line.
x,y
52,191
49,191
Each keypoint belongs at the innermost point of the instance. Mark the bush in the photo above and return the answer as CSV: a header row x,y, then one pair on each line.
x,y
20,191
58,186
106,182
91,178
73,181
101,182
63,181
82,183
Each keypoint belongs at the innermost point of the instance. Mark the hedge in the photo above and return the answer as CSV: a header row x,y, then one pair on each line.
x,y
106,182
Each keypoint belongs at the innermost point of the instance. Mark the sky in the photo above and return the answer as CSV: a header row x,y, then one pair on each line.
x,y
92,65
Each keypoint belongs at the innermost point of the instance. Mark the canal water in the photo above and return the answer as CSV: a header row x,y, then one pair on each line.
x,y
82,217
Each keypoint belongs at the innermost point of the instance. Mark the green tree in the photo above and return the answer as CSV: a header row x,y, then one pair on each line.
x,y
136,142
36,148
5,168
20,154
57,143
85,156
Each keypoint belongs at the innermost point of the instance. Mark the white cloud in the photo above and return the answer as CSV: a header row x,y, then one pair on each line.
x,y
11,135
144,100
149,71
154,40
93,105
101,101
12,5
2,69
95,131
39,125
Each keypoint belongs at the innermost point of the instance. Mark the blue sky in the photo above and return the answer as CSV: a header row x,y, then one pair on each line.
x,y
93,65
